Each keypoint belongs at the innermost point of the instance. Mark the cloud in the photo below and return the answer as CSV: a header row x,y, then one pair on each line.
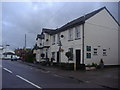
x,y
20,18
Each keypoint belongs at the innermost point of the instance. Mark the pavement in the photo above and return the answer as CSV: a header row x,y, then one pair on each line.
x,y
106,77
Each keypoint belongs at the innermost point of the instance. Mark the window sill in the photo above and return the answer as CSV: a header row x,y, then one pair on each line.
x,y
70,40
88,58
53,43
104,55
77,38
95,54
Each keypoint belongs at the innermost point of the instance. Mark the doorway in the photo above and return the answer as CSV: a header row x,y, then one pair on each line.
x,y
58,57
78,59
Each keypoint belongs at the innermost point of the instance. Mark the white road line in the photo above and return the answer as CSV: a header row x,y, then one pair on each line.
x,y
7,70
57,75
29,82
44,71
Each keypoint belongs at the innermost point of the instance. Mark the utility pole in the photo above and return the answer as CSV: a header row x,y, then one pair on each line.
x,y
25,41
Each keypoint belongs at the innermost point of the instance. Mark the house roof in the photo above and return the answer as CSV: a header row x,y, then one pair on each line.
x,y
76,22
49,31
8,53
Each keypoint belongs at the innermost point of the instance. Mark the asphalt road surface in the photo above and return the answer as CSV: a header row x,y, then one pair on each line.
x,y
18,75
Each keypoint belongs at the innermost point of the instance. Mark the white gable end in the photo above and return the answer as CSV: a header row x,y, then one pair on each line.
x,y
101,32
103,18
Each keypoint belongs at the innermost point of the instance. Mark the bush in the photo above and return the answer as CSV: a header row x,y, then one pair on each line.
x,y
94,64
29,57
69,55
44,63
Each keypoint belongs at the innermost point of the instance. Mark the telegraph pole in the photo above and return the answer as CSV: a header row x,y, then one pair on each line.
x,y
25,41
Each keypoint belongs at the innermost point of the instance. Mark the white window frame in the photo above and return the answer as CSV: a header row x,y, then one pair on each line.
x,y
70,34
53,55
77,32
58,38
53,39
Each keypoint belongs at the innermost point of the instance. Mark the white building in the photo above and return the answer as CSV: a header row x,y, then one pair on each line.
x,y
90,38
1,51
7,52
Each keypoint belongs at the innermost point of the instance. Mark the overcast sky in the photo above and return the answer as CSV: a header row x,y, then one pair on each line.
x,y
20,18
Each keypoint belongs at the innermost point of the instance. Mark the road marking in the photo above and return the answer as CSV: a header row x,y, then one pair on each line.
x,y
7,70
29,82
58,76
44,71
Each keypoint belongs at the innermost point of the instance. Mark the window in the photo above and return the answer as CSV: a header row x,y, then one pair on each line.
x,y
88,48
43,36
70,34
95,51
71,50
53,40
88,55
104,52
5,55
53,55
58,38
77,32
40,44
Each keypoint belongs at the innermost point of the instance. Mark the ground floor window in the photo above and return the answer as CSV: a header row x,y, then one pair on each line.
x,y
104,52
95,51
88,55
53,55
71,50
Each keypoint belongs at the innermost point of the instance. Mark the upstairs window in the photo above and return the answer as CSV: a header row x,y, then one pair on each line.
x,y
53,40
77,32
58,38
70,34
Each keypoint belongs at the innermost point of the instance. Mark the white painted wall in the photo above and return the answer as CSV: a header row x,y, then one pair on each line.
x,y
101,30
75,44
44,43
1,51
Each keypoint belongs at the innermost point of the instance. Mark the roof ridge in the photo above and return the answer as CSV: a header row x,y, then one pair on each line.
x,y
78,21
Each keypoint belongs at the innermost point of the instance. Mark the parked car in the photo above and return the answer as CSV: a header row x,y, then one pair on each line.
x,y
15,57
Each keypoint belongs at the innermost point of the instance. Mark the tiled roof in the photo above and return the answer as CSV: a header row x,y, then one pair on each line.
x,y
75,22
79,20
49,31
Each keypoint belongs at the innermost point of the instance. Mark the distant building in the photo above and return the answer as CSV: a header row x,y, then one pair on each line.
x,y
7,53
1,51
90,38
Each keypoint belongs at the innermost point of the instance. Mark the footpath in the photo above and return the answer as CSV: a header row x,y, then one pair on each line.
x,y
106,77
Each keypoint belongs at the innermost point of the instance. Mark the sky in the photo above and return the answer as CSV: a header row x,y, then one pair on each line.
x,y
20,18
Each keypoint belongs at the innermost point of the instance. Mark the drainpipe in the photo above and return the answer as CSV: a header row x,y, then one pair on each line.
x,y
83,27
83,43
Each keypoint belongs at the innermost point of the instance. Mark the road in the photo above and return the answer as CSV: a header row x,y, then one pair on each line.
x,y
18,75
